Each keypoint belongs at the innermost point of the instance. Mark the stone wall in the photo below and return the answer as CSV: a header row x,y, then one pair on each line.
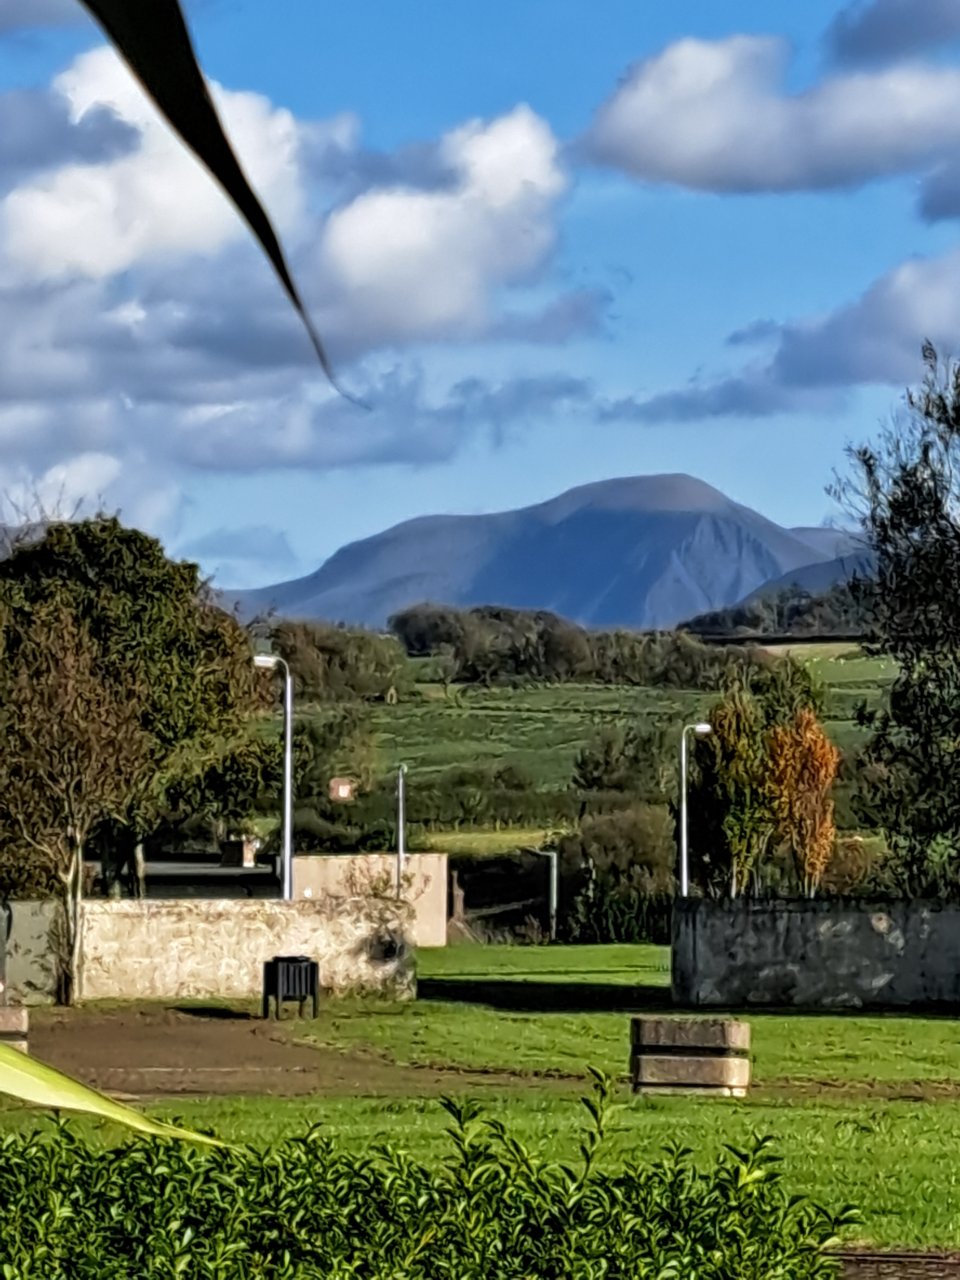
x,y
31,961
319,876
170,949
846,954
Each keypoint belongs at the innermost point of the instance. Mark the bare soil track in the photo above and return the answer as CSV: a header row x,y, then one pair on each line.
x,y
901,1266
159,1051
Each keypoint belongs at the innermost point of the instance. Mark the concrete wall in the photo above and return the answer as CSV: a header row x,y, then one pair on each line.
x,y
895,955
216,948
31,964
321,876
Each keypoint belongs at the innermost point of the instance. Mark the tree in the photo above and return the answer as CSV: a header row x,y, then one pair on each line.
x,y
803,765
730,794
734,813
128,644
905,491
641,760
73,751
336,663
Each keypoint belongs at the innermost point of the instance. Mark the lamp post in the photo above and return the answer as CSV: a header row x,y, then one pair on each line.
x,y
401,825
270,662
699,731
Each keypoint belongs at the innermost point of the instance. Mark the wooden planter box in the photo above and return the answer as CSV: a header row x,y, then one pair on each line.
x,y
690,1055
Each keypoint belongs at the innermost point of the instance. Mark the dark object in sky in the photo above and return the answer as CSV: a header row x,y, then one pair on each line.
x,y
153,39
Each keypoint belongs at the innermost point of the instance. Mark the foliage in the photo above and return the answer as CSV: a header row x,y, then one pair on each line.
x,y
803,765
119,678
640,759
905,489
222,796
489,645
493,1210
733,775
336,664
764,774
73,751
617,876
790,612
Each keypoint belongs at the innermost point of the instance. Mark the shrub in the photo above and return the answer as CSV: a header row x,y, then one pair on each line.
x,y
617,876
492,1211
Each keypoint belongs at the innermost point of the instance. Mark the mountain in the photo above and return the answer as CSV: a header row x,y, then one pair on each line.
x,y
641,552
828,543
818,578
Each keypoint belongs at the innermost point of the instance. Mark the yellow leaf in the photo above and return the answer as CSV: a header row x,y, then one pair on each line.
x,y
23,1077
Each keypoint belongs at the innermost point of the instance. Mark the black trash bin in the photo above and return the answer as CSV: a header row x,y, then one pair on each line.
x,y
290,978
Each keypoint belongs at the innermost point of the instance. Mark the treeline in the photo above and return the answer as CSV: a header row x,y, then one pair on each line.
x,y
491,645
789,612
335,664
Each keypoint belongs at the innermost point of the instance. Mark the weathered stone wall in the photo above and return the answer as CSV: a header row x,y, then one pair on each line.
x,y
424,885
169,949
31,959
894,955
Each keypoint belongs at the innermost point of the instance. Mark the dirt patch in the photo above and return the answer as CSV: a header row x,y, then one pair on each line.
x,y
171,1052
859,1090
864,1265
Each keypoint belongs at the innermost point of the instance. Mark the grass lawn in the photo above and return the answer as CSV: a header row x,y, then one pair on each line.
x,y
482,842
864,1109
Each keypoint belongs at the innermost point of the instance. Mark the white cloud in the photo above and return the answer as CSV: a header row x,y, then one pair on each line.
x,y
146,341
874,340
403,263
84,483
715,116
100,219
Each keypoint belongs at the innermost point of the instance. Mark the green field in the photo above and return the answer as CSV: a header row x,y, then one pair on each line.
x,y
541,728
864,1109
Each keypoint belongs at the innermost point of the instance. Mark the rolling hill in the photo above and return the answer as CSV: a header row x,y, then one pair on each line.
x,y
640,552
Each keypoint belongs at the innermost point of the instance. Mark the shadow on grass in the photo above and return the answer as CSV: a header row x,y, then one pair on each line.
x,y
545,997
526,996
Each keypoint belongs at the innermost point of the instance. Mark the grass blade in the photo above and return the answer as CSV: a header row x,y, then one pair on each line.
x,y
31,1081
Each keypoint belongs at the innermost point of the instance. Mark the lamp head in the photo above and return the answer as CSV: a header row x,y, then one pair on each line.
x,y
702,729
265,661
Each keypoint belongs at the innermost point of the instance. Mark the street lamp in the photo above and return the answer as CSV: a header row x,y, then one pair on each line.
x,y
699,731
401,825
270,662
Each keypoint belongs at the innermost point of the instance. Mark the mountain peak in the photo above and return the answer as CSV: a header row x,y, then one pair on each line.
x,y
638,551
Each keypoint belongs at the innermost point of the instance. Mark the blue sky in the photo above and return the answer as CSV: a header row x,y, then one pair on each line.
x,y
547,242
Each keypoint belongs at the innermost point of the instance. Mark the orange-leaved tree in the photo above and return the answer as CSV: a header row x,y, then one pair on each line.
x,y
803,764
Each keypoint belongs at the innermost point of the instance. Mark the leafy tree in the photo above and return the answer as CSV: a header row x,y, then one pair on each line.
x,y
905,490
73,750
639,759
803,765
730,796
336,663
617,876
126,630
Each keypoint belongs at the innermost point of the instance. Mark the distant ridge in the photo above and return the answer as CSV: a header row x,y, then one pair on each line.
x,y
639,552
